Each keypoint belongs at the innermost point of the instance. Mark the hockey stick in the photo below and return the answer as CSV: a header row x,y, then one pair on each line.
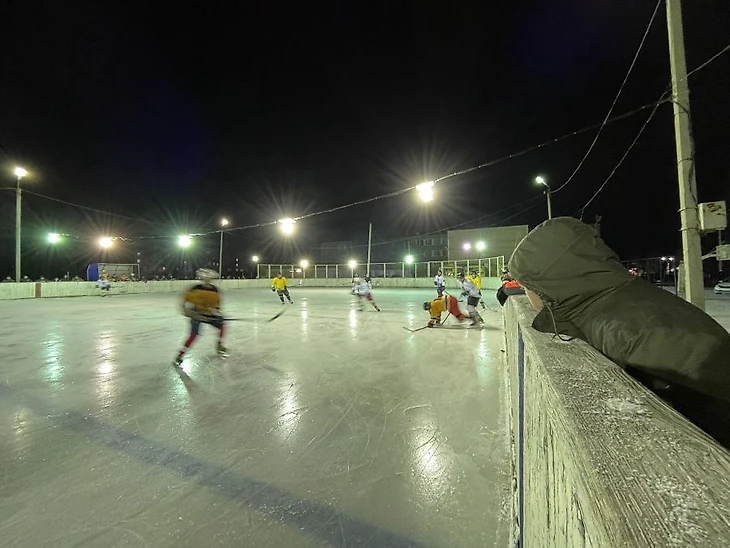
x,y
274,317
414,330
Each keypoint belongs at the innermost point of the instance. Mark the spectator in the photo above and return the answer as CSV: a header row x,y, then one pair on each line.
x,y
8,279
581,290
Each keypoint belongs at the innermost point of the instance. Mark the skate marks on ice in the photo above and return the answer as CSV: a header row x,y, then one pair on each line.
x,y
318,520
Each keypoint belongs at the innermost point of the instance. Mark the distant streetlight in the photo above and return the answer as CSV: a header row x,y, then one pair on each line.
x,y
467,246
105,242
481,246
224,223
425,191
408,260
541,181
352,263
304,263
287,225
54,238
19,174
184,241
255,258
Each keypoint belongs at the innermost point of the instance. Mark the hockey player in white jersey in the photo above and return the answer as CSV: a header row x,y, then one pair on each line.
x,y
473,295
361,288
440,282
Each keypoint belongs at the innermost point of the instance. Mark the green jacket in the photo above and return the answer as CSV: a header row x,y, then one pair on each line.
x,y
589,295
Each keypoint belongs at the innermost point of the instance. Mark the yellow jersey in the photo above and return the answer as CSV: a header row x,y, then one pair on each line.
x,y
438,306
203,299
477,281
279,283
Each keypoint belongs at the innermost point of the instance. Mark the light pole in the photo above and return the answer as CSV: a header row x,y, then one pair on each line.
x,y
352,263
304,264
19,174
255,259
224,223
541,181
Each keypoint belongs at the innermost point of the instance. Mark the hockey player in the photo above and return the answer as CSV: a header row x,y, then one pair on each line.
x,y
279,286
443,303
104,283
440,282
361,288
477,279
470,291
202,305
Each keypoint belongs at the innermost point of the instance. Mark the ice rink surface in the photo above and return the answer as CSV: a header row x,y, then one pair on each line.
x,y
326,427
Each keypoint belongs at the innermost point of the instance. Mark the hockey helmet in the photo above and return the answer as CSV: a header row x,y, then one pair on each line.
x,y
460,274
206,274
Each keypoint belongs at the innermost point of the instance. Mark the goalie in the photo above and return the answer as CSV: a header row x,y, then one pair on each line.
x,y
445,303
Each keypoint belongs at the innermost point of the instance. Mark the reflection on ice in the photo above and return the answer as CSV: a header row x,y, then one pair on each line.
x,y
53,357
105,356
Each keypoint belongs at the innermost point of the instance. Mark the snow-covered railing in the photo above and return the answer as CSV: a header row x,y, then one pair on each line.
x,y
599,460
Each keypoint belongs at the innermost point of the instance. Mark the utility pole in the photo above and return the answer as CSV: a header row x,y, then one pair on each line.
x,y
691,245
370,243
18,213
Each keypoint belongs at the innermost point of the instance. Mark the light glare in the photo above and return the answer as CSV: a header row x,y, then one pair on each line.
x,y
481,246
287,225
184,241
352,263
224,222
425,191
304,263
467,246
105,242
54,238
20,172
409,259
255,258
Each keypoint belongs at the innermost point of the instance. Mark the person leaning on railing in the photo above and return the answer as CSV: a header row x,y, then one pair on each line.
x,y
581,290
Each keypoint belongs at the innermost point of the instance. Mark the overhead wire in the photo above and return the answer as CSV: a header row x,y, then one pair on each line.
x,y
620,162
615,100
662,99
607,120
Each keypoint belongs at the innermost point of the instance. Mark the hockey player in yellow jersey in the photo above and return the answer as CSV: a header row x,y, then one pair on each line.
x,y
445,303
202,305
278,285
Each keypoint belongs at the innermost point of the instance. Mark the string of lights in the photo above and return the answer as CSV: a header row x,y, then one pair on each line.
x,y
424,189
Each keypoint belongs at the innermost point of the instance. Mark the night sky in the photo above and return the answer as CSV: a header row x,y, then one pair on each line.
x,y
176,116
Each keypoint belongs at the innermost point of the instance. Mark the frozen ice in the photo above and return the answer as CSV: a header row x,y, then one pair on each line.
x,y
327,426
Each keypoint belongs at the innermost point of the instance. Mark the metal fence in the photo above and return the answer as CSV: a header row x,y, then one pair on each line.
x,y
486,267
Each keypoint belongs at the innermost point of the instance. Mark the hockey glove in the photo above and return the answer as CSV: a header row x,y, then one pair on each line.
x,y
273,290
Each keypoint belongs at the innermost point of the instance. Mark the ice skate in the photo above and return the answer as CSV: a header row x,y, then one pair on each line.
x,y
221,349
177,362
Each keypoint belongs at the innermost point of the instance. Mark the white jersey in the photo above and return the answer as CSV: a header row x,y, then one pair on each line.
x,y
469,287
439,280
361,288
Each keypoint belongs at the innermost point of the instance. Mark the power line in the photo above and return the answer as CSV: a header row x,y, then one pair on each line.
x,y
710,60
615,100
620,162
533,201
